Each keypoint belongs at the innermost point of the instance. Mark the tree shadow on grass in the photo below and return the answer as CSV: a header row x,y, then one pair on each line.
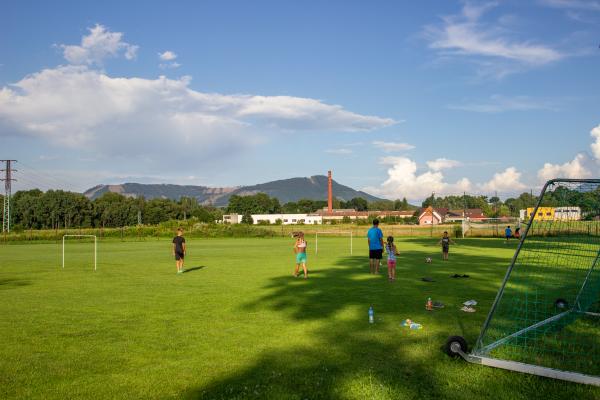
x,y
349,358
11,283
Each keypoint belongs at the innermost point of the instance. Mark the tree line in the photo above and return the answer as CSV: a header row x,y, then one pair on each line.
x,y
58,209
493,207
262,203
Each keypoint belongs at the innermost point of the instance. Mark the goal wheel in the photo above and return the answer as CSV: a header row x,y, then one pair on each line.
x,y
455,345
561,303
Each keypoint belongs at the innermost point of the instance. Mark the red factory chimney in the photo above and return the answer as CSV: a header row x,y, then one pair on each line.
x,y
330,194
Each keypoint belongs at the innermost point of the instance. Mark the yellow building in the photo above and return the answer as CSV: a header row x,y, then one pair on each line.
x,y
571,213
543,213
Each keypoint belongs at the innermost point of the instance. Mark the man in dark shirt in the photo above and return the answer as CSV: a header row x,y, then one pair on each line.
x,y
179,250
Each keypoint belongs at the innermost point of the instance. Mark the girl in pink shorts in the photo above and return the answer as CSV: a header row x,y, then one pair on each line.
x,y
392,252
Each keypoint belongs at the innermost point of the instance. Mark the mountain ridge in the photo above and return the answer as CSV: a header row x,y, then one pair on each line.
x,y
285,190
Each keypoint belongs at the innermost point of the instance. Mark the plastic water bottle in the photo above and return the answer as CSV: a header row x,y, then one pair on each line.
x,y
371,315
429,305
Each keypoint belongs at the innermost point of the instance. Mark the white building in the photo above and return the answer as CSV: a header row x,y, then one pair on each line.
x,y
286,219
569,213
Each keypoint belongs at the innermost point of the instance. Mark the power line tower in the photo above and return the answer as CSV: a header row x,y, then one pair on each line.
x,y
7,192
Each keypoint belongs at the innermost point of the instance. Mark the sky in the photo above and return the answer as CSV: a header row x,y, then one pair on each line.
x,y
399,99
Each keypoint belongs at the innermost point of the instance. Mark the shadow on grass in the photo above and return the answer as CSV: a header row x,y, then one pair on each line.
x,y
185,271
13,283
349,358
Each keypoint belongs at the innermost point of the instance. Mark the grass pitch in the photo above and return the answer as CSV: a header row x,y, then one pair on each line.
x,y
238,325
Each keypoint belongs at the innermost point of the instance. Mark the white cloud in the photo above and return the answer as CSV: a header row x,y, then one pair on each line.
x,y
443,163
506,181
404,181
339,151
498,104
588,5
167,56
595,133
572,169
466,35
98,45
80,108
392,146
582,165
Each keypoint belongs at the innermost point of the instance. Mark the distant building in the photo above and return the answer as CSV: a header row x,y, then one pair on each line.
x,y
429,216
286,219
552,213
470,214
340,214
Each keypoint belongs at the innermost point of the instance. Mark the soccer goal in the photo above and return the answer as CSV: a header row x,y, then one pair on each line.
x,y
545,319
87,238
487,227
324,234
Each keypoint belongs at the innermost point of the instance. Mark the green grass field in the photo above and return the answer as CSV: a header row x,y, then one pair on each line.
x,y
238,325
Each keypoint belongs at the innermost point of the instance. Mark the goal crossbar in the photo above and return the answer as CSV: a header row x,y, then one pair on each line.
x,y
81,236
332,233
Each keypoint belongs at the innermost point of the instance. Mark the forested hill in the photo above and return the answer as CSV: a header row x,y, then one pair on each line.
x,y
285,190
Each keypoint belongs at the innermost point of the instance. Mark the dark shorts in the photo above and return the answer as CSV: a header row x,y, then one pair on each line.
x,y
508,237
376,254
179,256
445,249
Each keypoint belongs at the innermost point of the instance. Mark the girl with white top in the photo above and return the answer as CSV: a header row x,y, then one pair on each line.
x,y
392,252
300,250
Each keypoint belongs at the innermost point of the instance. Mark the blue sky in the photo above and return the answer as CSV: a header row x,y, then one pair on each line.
x,y
398,98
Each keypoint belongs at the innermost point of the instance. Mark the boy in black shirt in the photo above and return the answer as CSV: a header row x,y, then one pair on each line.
x,y
179,250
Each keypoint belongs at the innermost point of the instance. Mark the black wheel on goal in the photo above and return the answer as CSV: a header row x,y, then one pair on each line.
x,y
455,345
561,304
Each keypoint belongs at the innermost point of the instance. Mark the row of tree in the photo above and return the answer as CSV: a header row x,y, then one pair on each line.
x,y
55,209
261,203
493,207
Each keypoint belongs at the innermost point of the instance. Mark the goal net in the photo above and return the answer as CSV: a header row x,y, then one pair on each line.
x,y
333,242
545,319
488,227
79,250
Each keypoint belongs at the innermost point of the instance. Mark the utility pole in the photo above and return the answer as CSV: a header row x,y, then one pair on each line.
x,y
7,192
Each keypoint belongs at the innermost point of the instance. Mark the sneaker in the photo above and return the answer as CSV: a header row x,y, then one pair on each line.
x,y
468,309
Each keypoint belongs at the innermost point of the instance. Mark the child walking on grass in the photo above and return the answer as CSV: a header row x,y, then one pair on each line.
x,y
392,252
179,250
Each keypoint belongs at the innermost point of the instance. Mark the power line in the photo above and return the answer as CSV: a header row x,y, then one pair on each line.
x,y
7,192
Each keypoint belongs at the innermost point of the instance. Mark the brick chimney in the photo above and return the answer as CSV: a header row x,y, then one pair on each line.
x,y
329,194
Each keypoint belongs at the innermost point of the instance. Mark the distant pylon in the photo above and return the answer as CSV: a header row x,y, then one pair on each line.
x,y
7,193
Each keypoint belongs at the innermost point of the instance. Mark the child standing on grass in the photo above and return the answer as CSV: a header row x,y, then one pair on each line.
x,y
300,251
445,241
179,250
392,252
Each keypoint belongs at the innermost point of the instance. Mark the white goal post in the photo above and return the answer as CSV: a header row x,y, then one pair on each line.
x,y
331,233
489,227
79,236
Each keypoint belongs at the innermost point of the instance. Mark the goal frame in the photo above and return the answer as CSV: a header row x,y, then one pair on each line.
x,y
479,355
332,233
95,248
468,225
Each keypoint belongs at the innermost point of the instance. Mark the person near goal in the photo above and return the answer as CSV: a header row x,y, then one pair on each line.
x,y
375,239
300,251
179,250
